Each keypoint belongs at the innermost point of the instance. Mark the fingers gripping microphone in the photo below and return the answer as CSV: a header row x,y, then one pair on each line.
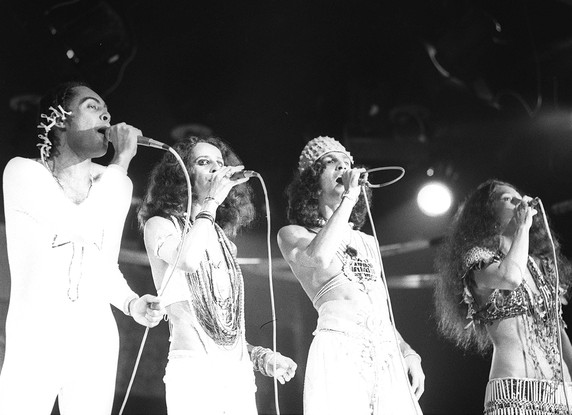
x,y
532,203
243,174
361,181
141,141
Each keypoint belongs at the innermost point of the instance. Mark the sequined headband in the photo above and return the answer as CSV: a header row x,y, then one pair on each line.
x,y
317,148
56,116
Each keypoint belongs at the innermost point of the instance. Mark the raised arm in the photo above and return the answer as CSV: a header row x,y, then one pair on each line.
x,y
303,247
509,273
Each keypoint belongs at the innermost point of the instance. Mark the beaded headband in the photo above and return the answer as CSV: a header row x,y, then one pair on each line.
x,y
56,116
319,147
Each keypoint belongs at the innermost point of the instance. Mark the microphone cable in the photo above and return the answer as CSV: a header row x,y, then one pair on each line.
x,y
383,276
173,268
557,305
271,287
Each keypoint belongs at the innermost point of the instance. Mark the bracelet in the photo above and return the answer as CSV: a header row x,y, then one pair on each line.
x,y
346,194
206,199
257,357
129,306
205,215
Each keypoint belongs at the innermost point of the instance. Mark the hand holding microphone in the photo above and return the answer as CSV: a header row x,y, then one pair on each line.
x,y
525,210
124,140
352,180
224,179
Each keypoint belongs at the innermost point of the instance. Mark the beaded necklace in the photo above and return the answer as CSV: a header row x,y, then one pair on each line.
x,y
222,318
541,322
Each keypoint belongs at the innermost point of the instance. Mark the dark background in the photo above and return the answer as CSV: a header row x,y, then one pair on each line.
x,y
470,89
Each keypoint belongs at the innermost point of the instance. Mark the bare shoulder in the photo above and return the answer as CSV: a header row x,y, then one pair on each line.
x,y
156,223
290,234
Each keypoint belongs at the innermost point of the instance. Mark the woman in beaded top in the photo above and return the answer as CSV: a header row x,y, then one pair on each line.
x,y
497,289
357,363
209,369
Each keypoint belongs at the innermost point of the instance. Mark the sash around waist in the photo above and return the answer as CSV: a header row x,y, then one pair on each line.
x,y
354,319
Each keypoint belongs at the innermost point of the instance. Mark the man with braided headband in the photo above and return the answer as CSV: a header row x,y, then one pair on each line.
x,y
357,363
64,220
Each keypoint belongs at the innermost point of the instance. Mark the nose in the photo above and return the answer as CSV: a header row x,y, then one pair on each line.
x,y
105,117
341,166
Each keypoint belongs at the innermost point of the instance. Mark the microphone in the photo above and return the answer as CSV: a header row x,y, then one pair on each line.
x,y
243,174
361,181
141,141
149,142
531,203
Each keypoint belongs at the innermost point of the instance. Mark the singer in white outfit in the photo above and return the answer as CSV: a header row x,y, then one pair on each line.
x,y
210,367
64,221
357,363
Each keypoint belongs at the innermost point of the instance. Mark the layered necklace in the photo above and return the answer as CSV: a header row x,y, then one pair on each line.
x,y
221,316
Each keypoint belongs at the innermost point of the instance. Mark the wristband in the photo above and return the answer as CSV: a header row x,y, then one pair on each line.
x,y
129,306
205,215
346,195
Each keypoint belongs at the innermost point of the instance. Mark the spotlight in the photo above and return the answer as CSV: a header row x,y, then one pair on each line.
x,y
434,199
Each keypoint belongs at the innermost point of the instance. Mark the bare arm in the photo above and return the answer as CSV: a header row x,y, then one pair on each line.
x,y
566,350
509,273
317,251
413,366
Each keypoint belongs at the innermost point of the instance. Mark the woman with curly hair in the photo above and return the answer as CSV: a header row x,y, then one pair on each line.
x,y
209,369
357,363
497,290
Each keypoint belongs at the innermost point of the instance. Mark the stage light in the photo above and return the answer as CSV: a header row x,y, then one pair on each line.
x,y
434,199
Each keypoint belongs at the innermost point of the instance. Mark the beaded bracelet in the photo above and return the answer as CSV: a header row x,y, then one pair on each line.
x,y
205,215
257,356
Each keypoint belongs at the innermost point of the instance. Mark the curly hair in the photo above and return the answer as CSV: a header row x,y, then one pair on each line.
x,y
167,189
303,206
62,94
475,224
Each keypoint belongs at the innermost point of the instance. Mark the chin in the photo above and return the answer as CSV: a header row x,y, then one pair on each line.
x,y
102,151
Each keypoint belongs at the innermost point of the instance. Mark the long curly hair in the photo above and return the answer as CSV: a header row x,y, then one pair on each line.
x,y
475,224
61,94
303,193
167,189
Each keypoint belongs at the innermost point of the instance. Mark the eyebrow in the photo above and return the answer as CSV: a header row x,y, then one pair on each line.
x,y
95,99
207,156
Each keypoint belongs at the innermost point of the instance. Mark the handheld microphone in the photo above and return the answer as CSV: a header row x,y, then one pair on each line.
x,y
243,174
149,142
361,181
141,141
531,203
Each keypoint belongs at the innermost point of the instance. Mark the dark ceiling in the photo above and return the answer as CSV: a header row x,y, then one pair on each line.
x,y
474,89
